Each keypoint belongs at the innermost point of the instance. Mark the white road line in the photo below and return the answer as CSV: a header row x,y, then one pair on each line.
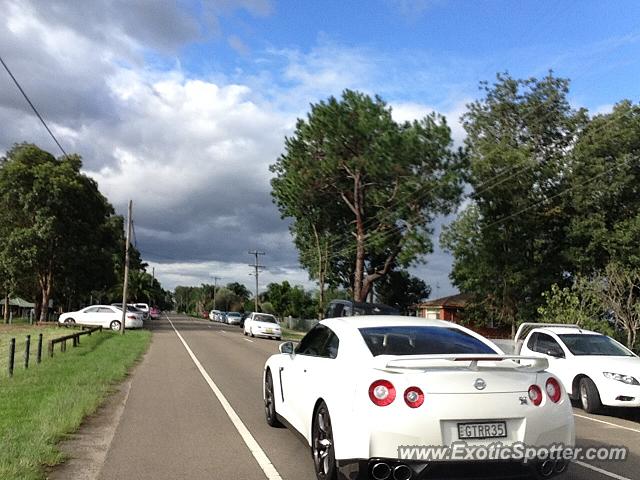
x,y
247,340
600,470
257,452
607,423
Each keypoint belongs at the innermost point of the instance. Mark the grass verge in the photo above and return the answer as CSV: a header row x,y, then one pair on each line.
x,y
288,334
40,405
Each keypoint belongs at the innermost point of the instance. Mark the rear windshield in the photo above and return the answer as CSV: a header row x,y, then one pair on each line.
x,y
265,318
418,340
580,344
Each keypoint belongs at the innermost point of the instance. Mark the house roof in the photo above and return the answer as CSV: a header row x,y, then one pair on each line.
x,y
457,301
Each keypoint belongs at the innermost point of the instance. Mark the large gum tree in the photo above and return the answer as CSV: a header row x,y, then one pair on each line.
x,y
373,186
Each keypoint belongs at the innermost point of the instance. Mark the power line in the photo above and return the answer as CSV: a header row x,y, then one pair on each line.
x,y
32,106
257,268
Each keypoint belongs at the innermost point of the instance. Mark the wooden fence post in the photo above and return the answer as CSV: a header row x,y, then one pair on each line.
x,y
27,348
39,355
12,353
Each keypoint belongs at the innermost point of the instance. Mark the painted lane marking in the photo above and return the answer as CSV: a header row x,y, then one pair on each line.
x,y
607,423
600,470
247,340
255,449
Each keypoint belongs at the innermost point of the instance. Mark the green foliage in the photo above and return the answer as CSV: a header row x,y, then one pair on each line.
x,y
605,201
505,252
362,190
287,300
579,304
402,290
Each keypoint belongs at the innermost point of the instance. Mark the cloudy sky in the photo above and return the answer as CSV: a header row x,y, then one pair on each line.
x,y
183,105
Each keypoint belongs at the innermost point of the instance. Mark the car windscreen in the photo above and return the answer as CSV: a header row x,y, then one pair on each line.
x,y
265,318
421,340
581,344
233,314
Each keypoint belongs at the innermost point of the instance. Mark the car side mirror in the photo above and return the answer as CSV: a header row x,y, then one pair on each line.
x,y
286,347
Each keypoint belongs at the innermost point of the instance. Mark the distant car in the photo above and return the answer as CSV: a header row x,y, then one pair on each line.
x,y
131,309
234,318
594,368
359,389
213,315
108,316
143,307
154,313
262,325
347,308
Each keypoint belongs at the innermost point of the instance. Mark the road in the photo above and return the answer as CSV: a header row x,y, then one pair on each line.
x,y
195,411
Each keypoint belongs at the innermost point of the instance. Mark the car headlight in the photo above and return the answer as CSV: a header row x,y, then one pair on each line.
x,y
628,379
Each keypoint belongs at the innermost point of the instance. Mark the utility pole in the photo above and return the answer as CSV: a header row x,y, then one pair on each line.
x,y
126,270
257,268
215,285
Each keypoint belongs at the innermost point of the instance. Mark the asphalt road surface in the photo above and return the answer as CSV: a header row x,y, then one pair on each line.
x,y
195,411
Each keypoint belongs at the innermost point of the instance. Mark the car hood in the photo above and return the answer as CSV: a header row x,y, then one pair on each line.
x,y
602,363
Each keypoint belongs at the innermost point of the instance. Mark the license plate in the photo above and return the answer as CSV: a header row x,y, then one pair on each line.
x,y
269,330
482,430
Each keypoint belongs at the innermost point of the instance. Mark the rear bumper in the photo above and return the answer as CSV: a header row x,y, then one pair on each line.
x,y
128,323
359,469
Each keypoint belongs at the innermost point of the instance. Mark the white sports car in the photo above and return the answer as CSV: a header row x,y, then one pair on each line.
x,y
359,389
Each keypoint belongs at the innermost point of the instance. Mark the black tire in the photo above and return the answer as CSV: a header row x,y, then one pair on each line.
x,y
270,402
322,450
69,321
251,332
115,325
589,396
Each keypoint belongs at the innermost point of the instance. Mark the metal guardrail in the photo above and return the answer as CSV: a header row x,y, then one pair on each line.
x,y
74,337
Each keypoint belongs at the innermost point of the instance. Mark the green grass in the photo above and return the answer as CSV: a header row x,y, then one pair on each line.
x,y
288,334
20,332
40,405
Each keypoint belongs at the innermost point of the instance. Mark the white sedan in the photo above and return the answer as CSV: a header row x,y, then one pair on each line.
x,y
594,368
359,389
106,315
262,325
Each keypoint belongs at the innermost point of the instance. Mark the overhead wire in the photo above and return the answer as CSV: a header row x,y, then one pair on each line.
x,y
35,110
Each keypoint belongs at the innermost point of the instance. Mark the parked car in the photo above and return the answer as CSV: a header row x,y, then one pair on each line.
x,y
594,368
154,313
108,316
131,309
347,308
358,389
233,318
143,307
213,315
262,325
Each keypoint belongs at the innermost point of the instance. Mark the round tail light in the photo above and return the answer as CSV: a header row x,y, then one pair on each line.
x,y
553,390
382,392
535,394
413,397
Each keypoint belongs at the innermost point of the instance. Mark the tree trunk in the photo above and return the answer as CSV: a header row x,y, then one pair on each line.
x,y
46,287
359,294
630,339
6,308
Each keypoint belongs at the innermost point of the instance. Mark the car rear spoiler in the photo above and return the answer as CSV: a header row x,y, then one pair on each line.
x,y
426,362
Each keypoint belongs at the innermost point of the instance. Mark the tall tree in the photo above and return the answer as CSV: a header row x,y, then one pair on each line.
x,y
509,244
374,185
604,203
402,290
53,218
